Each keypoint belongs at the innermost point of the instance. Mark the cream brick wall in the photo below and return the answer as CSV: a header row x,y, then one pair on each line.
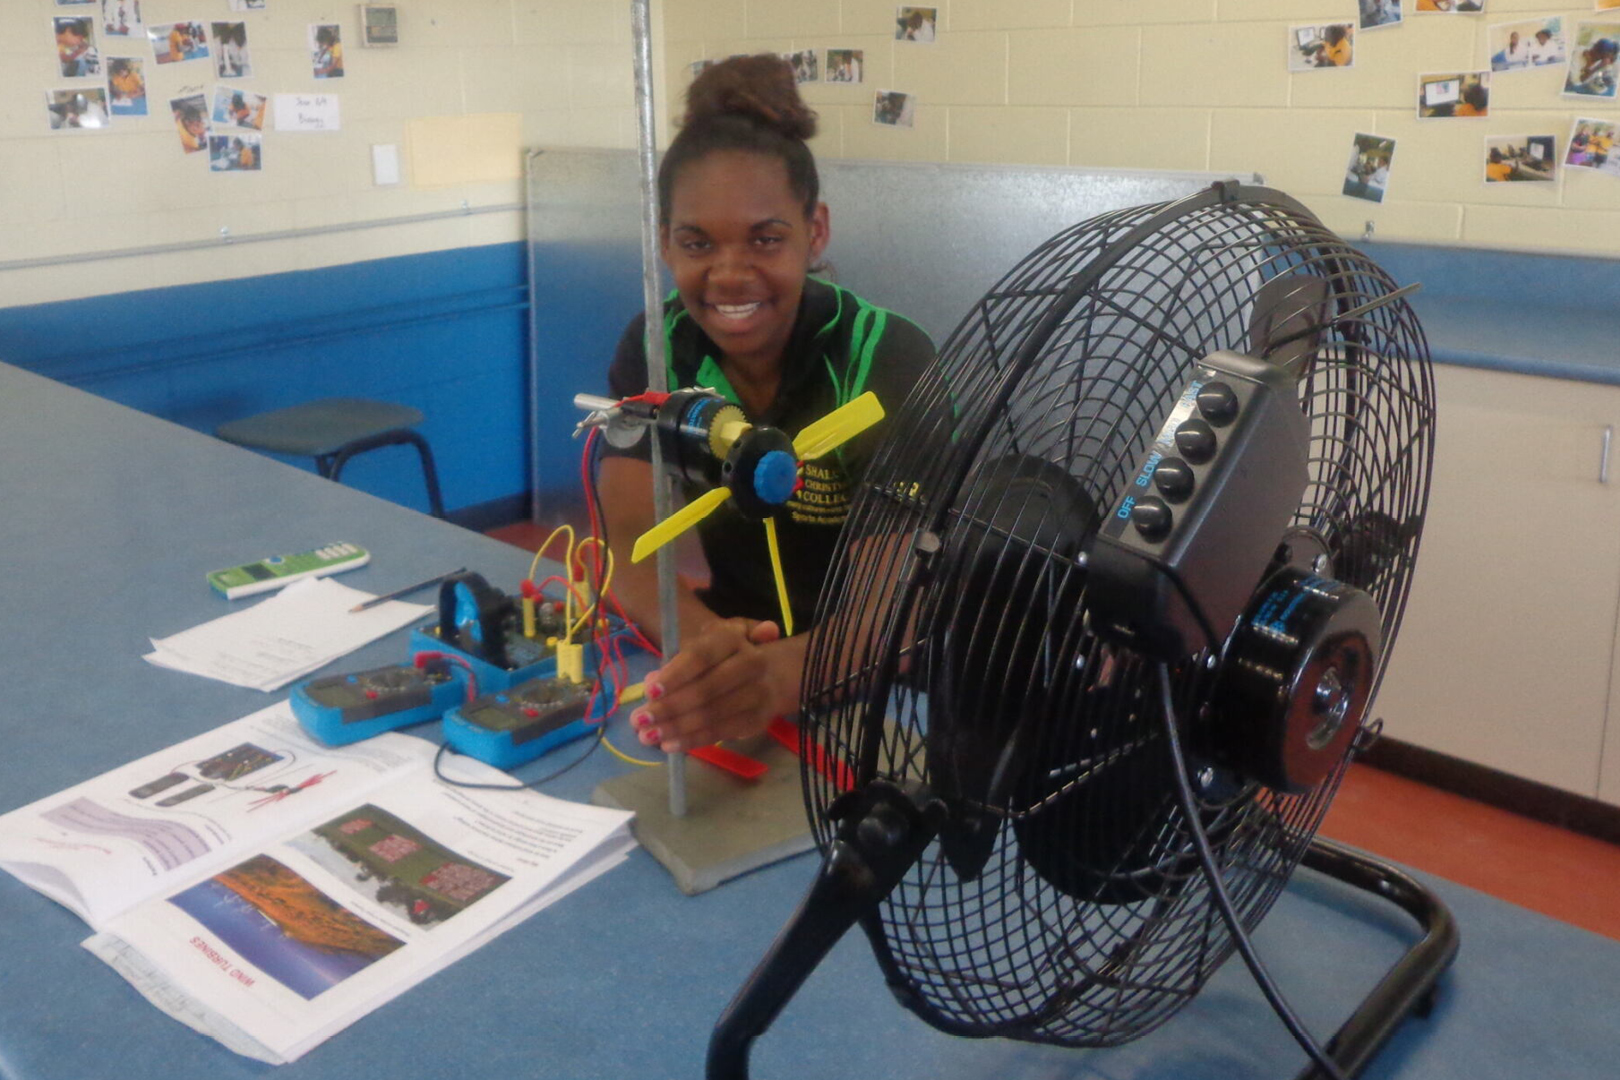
x,y
1187,84
564,65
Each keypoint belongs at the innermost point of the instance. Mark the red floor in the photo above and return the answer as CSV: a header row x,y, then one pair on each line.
x,y
1561,874
1547,869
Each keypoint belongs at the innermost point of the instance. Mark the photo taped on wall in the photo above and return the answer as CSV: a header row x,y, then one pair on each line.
x,y
1521,158
238,108
845,65
1520,46
893,108
121,18
1312,47
1458,95
1377,14
76,51
175,43
1593,58
126,79
1591,145
916,23
326,50
236,151
806,65
77,108
231,59
191,121
1366,176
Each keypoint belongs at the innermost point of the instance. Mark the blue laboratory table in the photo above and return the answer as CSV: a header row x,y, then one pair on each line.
x,y
108,520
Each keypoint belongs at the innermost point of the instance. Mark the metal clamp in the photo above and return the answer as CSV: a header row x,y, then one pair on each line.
x,y
1367,737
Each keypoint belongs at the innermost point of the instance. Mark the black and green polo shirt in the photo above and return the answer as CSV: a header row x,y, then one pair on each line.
x,y
841,347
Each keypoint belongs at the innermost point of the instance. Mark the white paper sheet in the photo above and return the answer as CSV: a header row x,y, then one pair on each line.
x,y
268,892
302,628
307,112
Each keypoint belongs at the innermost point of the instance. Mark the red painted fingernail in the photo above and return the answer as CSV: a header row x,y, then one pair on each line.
x,y
649,736
655,690
640,718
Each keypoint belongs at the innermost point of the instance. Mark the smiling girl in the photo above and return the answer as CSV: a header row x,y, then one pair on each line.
x,y
741,227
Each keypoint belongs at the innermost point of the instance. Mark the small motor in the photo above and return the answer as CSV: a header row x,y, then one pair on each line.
x,y
707,441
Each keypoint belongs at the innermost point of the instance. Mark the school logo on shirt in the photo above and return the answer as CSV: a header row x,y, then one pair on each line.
x,y
824,498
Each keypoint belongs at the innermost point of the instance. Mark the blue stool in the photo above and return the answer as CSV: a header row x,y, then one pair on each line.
x,y
333,430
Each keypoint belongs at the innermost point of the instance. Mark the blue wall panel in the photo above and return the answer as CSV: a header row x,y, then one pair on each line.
x,y
443,331
586,293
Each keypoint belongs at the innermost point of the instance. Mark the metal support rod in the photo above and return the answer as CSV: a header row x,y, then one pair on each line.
x,y
657,377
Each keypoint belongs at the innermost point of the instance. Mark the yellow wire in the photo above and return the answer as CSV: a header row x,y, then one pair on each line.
x,y
538,555
781,581
567,561
631,693
601,587
624,757
607,579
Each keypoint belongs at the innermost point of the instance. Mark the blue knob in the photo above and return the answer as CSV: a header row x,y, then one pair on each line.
x,y
775,477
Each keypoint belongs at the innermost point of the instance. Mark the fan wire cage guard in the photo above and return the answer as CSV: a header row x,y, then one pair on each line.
x,y
1064,902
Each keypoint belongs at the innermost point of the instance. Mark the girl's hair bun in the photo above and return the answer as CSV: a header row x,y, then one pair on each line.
x,y
759,87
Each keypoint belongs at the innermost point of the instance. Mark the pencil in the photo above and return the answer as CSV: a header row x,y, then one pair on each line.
x,y
397,593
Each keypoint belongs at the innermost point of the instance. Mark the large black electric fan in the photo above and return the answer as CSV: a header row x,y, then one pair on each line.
x,y
1110,607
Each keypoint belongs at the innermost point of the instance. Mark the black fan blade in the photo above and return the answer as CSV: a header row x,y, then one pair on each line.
x,y
1289,319
1372,546
1012,569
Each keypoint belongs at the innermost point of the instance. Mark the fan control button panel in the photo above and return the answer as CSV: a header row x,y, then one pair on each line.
x,y
1177,559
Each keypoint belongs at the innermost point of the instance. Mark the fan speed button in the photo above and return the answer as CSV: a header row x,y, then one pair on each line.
x,y
1174,479
1196,441
1152,518
1218,402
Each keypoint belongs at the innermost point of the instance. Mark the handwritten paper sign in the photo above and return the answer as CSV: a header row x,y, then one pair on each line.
x,y
307,112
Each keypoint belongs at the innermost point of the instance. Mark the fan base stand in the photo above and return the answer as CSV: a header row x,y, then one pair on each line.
x,y
1408,988
731,825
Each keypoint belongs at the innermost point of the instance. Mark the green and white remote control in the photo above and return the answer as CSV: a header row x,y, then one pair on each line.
x,y
279,570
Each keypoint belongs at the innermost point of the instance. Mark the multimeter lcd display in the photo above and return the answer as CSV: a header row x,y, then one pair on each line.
x,y
495,719
339,695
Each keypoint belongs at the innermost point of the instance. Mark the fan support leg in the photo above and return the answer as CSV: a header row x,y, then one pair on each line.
x,y
882,832
1409,986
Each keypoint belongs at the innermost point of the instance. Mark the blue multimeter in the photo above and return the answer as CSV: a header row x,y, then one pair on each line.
x,y
339,709
510,727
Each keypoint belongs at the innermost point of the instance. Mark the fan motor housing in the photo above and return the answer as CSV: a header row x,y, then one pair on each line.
x,y
1295,682
1179,556
687,427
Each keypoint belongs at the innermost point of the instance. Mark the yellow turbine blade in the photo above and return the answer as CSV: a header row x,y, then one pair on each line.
x,y
678,522
838,427
781,579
